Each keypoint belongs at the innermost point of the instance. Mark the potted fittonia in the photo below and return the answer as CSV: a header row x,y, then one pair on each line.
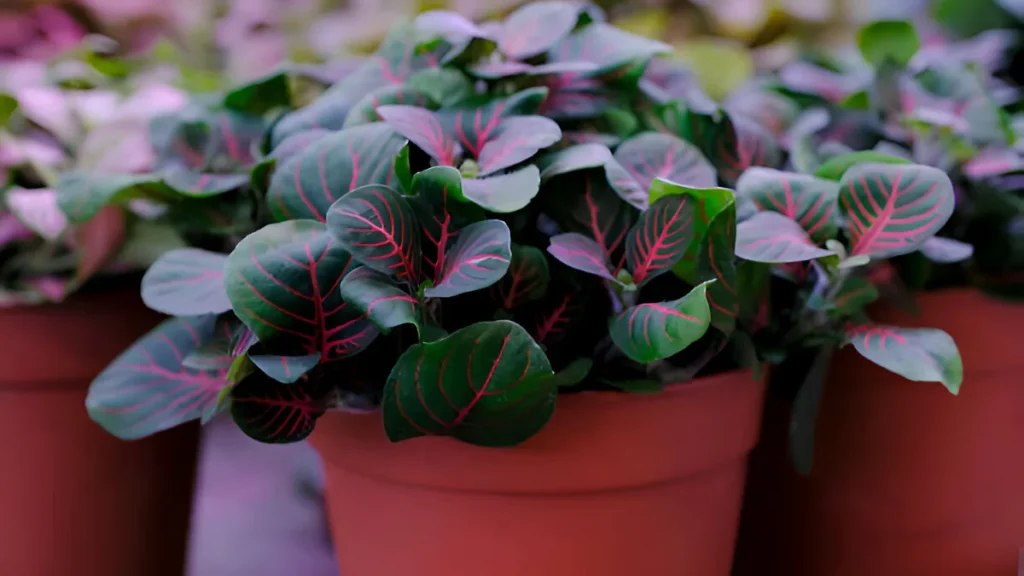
x,y
891,454
68,306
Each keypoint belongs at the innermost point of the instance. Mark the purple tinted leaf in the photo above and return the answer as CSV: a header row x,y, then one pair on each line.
x,y
892,209
650,332
451,26
771,237
571,159
379,228
365,111
479,258
588,205
503,193
751,145
284,369
38,210
441,212
379,299
652,155
186,282
581,253
993,162
423,129
805,77
146,389
920,355
516,139
476,123
660,239
287,149
606,46
488,372
306,185
805,199
534,28
283,280
272,412
946,250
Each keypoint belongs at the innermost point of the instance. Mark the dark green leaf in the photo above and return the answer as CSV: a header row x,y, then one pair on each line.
x,y
805,411
81,196
584,202
284,369
447,86
475,123
485,384
643,158
527,278
365,111
855,294
717,262
272,412
379,228
379,299
661,238
650,332
186,282
807,200
261,95
571,159
893,41
441,211
835,167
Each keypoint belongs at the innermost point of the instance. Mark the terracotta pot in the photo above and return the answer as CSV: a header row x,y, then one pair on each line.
x,y
616,484
908,479
74,500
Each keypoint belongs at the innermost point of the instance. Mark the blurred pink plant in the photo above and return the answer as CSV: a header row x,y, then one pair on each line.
x,y
43,33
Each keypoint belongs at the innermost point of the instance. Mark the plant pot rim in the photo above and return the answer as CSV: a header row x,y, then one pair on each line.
x,y
596,441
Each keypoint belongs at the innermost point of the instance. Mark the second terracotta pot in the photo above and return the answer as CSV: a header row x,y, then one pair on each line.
x,y
615,485
74,500
908,480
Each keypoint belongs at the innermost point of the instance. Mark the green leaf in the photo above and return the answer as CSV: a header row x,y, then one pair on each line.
x,y
806,405
365,111
147,389
288,148
81,196
379,228
855,294
892,209
527,278
479,258
651,155
717,262
745,145
186,282
835,167
571,159
476,122
807,200
306,185
773,238
574,373
284,369
893,41
504,193
379,299
484,384
261,95
8,104
283,280
650,332
720,65
710,203
272,412
446,86
441,211
660,238
918,354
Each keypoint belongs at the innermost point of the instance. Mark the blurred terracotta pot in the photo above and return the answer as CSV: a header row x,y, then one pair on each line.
x,y
75,500
615,485
908,479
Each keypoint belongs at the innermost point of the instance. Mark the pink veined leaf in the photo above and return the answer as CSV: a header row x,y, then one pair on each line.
x,y
651,155
441,214
273,412
534,28
379,228
653,331
366,110
475,124
527,278
892,209
379,299
551,324
593,209
752,145
282,281
479,258
661,238
282,368
773,238
488,372
805,199
581,253
918,354
516,139
423,129
147,389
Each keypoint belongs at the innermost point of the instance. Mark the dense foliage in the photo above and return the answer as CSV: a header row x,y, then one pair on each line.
x,y
480,218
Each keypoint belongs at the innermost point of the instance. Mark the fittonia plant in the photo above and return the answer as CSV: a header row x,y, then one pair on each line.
x,y
446,234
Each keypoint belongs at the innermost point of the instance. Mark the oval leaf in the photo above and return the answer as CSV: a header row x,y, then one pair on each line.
x,y
516,139
477,124
891,209
272,412
527,278
283,280
504,193
479,258
378,227
751,145
571,159
423,129
306,185
284,369
806,200
650,332
946,250
486,384
581,253
366,110
186,282
773,238
836,166
379,299
918,354
661,238
146,389
536,27
442,211
653,155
